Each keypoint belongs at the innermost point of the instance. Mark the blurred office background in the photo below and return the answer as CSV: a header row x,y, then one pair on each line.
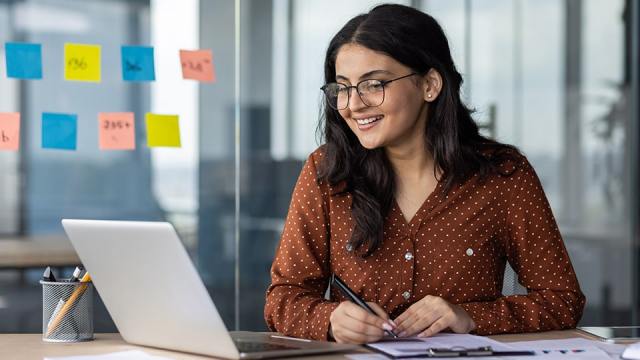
x,y
557,78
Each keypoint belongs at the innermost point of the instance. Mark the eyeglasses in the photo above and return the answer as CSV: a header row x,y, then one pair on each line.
x,y
371,92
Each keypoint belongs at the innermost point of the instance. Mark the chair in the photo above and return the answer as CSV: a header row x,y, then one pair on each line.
x,y
510,284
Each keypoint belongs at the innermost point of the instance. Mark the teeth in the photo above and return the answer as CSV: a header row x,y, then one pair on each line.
x,y
368,120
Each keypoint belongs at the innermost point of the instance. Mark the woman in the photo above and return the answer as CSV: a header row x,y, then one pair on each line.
x,y
413,208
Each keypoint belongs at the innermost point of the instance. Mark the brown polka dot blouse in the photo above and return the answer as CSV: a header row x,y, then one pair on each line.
x,y
455,247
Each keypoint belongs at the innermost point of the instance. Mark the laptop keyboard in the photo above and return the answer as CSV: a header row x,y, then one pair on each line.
x,y
250,346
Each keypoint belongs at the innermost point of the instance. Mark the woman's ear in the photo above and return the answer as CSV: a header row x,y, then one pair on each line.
x,y
432,85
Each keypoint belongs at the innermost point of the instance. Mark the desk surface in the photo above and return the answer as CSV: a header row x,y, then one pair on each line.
x,y
17,253
31,346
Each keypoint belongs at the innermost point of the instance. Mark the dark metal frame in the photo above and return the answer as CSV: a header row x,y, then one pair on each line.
x,y
634,133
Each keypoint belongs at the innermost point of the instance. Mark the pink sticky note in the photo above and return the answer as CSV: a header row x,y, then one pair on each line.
x,y
9,131
197,65
117,131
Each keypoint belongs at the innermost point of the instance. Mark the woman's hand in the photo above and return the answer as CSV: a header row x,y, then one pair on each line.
x,y
431,315
351,324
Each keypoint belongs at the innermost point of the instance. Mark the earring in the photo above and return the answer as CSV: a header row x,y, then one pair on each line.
x,y
428,95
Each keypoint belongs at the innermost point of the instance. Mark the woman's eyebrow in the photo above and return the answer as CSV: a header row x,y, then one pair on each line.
x,y
366,75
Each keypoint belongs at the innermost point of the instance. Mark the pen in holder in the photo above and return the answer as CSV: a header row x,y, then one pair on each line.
x,y
67,311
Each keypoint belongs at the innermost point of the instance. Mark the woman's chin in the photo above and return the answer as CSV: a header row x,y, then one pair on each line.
x,y
370,145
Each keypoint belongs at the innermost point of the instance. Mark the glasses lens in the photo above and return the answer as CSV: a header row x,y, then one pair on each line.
x,y
337,95
371,92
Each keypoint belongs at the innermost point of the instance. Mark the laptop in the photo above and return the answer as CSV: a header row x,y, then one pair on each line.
x,y
156,297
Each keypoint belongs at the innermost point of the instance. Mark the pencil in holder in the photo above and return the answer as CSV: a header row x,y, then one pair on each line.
x,y
67,311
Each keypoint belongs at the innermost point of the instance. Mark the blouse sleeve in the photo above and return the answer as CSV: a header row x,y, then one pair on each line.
x,y
537,253
295,304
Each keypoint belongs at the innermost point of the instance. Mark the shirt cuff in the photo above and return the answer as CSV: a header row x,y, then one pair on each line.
x,y
323,316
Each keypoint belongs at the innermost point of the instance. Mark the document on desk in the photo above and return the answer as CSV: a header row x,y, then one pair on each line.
x,y
564,349
415,346
583,348
121,355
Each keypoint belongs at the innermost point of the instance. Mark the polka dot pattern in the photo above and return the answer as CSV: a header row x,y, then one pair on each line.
x,y
455,247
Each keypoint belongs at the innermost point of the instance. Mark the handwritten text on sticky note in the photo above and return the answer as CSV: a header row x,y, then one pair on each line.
x,y
24,60
116,131
162,130
197,65
138,63
82,62
9,131
59,131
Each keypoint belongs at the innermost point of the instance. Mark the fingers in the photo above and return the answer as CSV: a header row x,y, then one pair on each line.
x,y
380,312
432,315
418,314
352,324
348,336
418,323
356,312
436,327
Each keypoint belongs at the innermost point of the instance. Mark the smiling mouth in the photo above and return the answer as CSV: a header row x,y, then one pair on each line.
x,y
369,120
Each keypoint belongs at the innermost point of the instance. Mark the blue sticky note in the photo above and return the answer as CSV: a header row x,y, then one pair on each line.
x,y
59,131
24,60
137,63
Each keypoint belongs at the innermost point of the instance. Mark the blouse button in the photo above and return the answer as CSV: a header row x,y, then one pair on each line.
x,y
349,247
406,295
408,256
469,251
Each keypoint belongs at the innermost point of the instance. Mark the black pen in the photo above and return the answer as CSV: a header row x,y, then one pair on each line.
x,y
335,280
76,274
48,275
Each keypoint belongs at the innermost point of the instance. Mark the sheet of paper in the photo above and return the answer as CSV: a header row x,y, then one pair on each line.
x,y
23,60
162,130
138,63
9,131
415,346
611,350
116,131
82,62
632,351
197,65
59,131
122,355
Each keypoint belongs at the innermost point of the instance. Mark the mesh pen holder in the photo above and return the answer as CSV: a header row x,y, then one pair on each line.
x,y
67,311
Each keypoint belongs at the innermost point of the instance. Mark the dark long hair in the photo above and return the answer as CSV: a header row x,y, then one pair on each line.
x,y
416,40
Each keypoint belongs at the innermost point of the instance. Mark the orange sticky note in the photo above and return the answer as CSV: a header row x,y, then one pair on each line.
x,y
162,130
9,131
116,131
197,65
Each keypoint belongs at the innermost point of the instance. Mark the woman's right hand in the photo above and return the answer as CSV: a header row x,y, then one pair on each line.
x,y
351,324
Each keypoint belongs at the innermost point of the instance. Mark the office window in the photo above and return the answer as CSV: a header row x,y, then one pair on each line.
x,y
552,77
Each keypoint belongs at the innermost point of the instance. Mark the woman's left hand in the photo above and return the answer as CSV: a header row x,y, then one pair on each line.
x,y
431,315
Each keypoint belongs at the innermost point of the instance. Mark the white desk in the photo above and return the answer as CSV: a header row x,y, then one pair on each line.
x,y
31,346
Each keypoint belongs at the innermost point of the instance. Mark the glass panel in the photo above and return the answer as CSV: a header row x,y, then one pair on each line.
x,y
560,92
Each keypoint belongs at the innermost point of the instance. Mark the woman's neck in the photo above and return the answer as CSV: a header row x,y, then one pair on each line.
x,y
411,163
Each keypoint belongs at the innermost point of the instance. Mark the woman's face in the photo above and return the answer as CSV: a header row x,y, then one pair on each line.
x,y
401,118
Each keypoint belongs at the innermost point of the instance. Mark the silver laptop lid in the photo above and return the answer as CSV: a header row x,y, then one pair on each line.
x,y
150,286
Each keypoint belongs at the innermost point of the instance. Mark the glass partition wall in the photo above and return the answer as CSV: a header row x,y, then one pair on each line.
x,y
557,78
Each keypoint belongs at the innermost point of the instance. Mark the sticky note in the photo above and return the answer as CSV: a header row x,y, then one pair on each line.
x,y
137,63
116,131
197,65
9,131
162,130
23,60
59,131
82,62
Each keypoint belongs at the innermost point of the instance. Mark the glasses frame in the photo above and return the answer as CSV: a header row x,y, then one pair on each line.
x,y
383,83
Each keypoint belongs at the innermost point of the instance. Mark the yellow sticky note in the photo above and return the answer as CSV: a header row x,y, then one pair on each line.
x,y
162,130
82,62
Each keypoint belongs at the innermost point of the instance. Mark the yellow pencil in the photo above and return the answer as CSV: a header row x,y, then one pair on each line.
x,y
69,303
